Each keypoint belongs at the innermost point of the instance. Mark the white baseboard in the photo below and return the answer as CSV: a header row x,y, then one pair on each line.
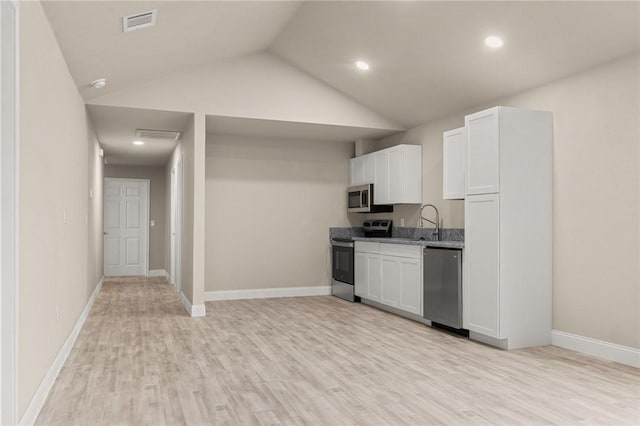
x,y
159,273
39,398
266,293
586,345
192,310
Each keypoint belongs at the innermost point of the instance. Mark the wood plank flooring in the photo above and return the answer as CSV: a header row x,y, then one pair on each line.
x,y
314,360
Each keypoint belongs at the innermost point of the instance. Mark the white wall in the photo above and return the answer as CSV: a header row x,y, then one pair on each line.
x,y
95,257
191,151
269,206
56,256
253,86
596,187
157,201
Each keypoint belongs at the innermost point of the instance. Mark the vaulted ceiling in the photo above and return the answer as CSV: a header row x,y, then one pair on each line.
x,y
427,58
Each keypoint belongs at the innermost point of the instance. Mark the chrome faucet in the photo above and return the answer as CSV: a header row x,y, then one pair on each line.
x,y
436,223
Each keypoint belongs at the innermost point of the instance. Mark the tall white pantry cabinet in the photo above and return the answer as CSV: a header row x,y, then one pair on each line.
x,y
508,227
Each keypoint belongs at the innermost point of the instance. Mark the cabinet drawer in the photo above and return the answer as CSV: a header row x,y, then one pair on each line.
x,y
401,250
367,247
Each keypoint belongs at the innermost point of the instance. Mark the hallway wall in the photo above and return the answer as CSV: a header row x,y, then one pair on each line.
x,y
60,258
157,204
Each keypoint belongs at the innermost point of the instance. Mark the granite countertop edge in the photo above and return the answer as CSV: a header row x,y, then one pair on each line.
x,y
407,241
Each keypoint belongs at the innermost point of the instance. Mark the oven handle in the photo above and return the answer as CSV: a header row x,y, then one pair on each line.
x,y
341,244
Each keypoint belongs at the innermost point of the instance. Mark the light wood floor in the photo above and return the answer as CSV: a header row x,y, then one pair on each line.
x,y
314,360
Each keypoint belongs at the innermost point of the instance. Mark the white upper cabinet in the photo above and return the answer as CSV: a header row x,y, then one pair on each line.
x,y
454,145
396,174
483,152
362,170
356,171
381,181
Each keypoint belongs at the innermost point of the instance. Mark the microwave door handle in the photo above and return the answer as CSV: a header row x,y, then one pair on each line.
x,y
365,198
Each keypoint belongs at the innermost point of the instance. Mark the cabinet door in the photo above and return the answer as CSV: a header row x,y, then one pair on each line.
x,y
482,251
453,164
374,275
381,183
391,280
361,274
396,175
483,152
411,173
411,287
369,169
356,171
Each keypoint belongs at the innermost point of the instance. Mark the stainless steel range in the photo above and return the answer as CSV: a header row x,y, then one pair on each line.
x,y
342,283
342,265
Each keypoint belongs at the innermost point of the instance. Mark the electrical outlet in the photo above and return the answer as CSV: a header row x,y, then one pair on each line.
x,y
58,312
64,215
402,221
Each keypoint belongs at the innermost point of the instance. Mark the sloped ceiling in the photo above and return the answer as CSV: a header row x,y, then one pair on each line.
x,y
187,34
427,58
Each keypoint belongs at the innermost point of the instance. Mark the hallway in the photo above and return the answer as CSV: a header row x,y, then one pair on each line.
x,y
313,360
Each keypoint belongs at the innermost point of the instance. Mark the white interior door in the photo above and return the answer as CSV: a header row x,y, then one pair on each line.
x,y
126,227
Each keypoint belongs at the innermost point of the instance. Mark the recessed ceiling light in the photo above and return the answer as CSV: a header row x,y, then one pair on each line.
x,y
138,142
99,83
362,65
493,42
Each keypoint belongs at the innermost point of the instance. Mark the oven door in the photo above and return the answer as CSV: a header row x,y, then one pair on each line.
x,y
343,262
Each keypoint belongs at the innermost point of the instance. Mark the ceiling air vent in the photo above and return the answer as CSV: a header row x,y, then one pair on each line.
x,y
157,134
139,21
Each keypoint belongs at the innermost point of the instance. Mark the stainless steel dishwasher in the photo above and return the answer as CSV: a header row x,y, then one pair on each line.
x,y
443,286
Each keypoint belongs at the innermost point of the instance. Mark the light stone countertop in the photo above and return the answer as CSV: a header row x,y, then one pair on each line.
x,y
424,243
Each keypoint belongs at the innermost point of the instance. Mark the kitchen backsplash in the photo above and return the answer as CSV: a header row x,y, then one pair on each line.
x,y
446,234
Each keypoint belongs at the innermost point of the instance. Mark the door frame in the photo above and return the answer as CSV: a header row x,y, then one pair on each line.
x,y
9,209
145,217
176,224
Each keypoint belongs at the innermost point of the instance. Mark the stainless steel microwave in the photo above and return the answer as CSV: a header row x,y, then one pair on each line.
x,y
360,200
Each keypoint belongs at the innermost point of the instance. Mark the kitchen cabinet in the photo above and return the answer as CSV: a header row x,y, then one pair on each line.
x,y
483,153
410,299
368,283
508,223
362,170
483,265
454,145
390,274
396,174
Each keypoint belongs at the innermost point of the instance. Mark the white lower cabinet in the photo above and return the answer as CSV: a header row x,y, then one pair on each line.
x,y
392,279
390,274
483,275
361,274
411,288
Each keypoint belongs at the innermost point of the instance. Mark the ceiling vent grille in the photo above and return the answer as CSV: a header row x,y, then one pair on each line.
x,y
139,21
157,134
